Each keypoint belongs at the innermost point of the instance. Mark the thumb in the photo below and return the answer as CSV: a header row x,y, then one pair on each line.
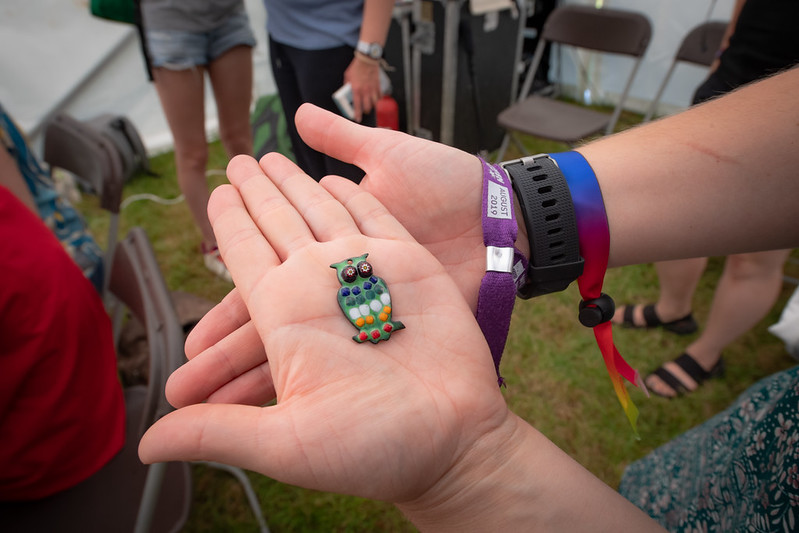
x,y
229,434
338,137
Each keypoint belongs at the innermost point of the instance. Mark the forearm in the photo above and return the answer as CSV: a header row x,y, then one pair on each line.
x,y
515,479
717,179
376,21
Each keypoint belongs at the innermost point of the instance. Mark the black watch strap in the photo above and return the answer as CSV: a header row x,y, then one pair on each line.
x,y
546,205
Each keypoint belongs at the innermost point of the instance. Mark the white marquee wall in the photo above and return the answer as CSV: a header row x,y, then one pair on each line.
x,y
55,56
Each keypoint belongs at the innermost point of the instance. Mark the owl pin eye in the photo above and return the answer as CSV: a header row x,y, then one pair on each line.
x,y
364,269
349,274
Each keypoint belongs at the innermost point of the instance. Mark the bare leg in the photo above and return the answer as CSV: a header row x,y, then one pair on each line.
x,y
231,78
182,97
748,288
678,281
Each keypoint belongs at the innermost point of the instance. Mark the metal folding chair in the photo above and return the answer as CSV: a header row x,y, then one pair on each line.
x,y
606,30
699,48
136,265
137,284
109,500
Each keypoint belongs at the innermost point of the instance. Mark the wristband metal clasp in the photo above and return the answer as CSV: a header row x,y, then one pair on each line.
x,y
499,259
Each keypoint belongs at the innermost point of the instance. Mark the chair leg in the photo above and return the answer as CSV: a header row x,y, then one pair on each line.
x,y
113,231
502,148
239,474
150,494
790,279
519,146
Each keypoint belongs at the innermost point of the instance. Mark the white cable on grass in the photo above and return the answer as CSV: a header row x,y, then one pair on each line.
x,y
152,197
165,201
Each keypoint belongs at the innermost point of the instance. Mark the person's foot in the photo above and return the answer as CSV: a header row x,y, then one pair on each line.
x,y
682,376
213,262
645,317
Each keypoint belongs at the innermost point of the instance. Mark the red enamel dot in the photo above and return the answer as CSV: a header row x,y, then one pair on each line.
x,y
363,336
375,334
387,328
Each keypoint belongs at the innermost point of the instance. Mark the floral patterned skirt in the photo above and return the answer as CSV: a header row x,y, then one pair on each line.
x,y
738,471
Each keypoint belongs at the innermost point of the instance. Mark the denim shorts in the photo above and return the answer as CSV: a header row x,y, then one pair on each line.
x,y
181,50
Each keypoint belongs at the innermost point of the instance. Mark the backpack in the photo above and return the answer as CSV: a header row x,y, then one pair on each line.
x,y
124,135
93,150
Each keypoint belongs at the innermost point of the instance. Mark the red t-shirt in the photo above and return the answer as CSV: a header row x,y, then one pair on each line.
x,y
62,412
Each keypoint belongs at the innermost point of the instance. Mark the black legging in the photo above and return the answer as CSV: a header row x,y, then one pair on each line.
x,y
312,76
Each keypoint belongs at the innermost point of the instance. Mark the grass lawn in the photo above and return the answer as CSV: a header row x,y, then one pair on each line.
x,y
554,371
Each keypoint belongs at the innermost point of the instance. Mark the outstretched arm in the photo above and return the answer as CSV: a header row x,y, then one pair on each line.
x,y
714,180
717,179
420,421
417,420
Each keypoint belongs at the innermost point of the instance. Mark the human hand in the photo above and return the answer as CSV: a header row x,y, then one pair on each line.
x,y
434,190
364,78
384,421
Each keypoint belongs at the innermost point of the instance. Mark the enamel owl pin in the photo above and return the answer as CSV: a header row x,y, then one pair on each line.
x,y
365,300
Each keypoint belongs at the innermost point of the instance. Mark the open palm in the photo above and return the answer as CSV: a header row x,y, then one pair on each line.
x,y
433,190
378,421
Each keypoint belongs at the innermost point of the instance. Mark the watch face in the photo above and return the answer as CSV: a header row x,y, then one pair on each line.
x,y
375,50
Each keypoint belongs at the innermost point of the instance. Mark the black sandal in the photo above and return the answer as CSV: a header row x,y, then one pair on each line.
x,y
689,365
682,326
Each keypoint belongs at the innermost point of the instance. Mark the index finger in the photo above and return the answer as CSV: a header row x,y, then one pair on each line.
x,y
223,319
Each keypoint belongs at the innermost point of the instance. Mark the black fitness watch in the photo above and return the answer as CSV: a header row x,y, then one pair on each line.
x,y
548,211
371,50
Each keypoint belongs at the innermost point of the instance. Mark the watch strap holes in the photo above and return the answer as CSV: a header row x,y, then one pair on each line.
x,y
545,189
552,202
553,216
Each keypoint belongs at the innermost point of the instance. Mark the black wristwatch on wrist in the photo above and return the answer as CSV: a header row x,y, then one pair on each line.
x,y
546,205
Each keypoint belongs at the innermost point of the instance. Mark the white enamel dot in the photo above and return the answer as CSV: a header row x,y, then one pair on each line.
x,y
385,298
375,305
364,309
355,313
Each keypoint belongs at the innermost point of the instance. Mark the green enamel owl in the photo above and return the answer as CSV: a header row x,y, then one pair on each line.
x,y
365,300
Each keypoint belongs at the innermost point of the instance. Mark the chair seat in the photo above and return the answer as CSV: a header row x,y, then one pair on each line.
x,y
552,119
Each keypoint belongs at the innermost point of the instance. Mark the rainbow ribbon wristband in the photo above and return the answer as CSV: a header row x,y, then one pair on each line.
x,y
596,308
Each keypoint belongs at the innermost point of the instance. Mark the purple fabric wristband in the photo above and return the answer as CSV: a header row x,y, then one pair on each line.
x,y
505,265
